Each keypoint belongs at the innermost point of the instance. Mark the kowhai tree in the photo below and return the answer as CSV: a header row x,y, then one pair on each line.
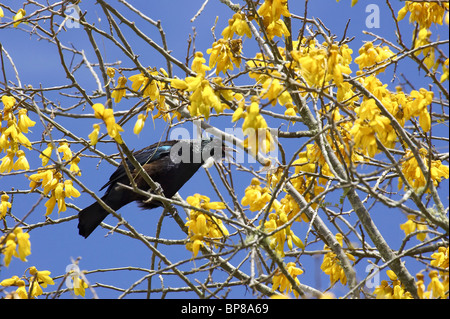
x,y
341,137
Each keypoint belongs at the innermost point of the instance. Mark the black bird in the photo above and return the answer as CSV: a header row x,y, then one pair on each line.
x,y
169,163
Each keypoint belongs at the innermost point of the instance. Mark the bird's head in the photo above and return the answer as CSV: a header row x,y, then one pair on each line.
x,y
213,149
204,151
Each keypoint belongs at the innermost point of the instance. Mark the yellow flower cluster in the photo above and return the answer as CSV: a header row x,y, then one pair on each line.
x,y
148,87
52,181
307,163
391,290
254,126
394,289
271,12
424,13
278,239
416,105
371,123
423,38
13,135
280,282
441,261
258,197
319,64
435,289
414,175
36,281
151,88
16,244
370,56
224,53
203,229
331,265
236,25
412,225
203,96
107,115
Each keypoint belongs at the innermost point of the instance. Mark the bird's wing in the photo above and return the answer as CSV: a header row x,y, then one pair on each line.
x,y
144,156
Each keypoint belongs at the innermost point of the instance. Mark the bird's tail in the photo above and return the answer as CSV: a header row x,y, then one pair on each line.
x,y
90,217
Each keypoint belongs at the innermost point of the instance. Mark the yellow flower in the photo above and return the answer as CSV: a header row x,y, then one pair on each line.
x,y
179,84
24,121
99,109
74,168
7,162
16,240
111,72
23,242
19,15
253,195
60,197
50,204
119,91
203,97
65,149
43,277
203,226
445,70
16,281
198,64
48,178
274,91
79,286
274,9
9,248
93,137
70,190
423,38
4,205
21,163
46,154
280,282
440,259
236,25
8,103
139,124
436,286
331,265
411,226
107,115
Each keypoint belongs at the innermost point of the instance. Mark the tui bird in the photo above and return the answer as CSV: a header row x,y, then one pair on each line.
x,y
169,163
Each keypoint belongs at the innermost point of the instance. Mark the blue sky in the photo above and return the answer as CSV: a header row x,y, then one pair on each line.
x,y
38,63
